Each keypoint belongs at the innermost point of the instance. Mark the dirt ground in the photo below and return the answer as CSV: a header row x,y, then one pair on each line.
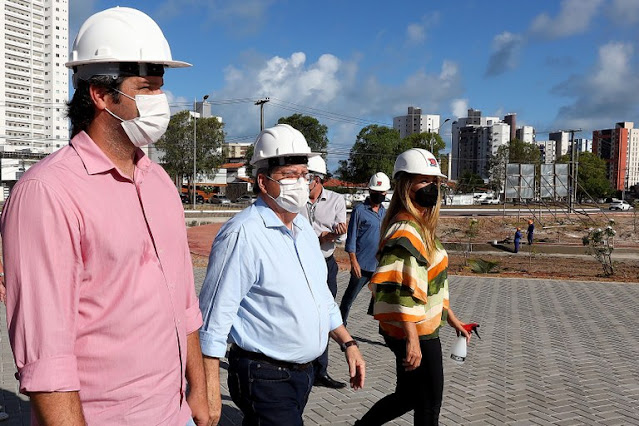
x,y
525,264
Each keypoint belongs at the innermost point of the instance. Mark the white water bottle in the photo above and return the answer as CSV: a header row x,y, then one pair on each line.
x,y
458,354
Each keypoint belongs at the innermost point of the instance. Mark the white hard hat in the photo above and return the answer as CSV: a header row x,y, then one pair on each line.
x,y
280,145
317,164
379,182
119,35
417,161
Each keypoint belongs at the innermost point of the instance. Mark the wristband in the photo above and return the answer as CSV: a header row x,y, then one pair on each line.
x,y
344,346
1,274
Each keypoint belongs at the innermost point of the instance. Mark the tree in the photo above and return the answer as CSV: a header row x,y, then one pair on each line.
x,y
591,176
176,146
314,132
375,150
427,140
468,182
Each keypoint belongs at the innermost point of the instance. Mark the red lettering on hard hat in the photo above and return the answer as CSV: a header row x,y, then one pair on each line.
x,y
379,183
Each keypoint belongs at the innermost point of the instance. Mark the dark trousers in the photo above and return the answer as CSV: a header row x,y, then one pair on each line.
x,y
321,363
268,394
355,285
419,390
530,238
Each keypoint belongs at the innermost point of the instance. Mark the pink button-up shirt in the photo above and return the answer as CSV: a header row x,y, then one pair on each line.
x,y
100,294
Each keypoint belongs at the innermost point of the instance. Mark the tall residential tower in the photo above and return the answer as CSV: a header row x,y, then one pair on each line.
x,y
34,83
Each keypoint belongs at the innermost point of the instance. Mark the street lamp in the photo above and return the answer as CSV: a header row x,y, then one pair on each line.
x,y
438,129
204,98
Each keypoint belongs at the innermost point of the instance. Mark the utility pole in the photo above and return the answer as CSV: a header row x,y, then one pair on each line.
x,y
261,103
195,113
572,195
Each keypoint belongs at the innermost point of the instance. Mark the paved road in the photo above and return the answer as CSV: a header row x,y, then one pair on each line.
x,y
552,352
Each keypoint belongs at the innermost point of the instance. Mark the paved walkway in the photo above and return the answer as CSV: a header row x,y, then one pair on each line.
x,y
552,352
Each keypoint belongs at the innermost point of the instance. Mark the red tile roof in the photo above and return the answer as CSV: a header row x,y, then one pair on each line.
x,y
342,183
231,165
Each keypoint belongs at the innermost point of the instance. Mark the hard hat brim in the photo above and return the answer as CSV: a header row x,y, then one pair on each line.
x,y
168,64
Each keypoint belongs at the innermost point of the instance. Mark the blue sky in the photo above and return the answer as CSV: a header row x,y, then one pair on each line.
x,y
557,64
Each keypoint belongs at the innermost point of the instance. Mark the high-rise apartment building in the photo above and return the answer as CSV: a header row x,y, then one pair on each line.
x,y
619,147
34,83
562,142
475,139
526,134
547,151
583,145
415,122
511,120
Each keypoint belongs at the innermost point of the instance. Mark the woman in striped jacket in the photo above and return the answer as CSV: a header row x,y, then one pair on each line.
x,y
410,289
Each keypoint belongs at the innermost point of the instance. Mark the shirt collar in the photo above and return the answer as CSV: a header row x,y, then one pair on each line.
x,y
271,220
95,160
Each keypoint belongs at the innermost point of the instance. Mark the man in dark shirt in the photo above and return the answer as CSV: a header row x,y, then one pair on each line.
x,y
362,239
530,231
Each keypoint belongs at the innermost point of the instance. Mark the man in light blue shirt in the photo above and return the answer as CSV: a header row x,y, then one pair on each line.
x,y
265,292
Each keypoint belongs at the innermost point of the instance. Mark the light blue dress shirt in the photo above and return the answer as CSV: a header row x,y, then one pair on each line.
x,y
265,289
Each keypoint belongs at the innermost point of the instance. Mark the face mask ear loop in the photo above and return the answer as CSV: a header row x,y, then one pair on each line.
x,y
112,114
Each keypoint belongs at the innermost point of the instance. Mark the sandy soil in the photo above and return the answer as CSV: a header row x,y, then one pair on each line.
x,y
553,230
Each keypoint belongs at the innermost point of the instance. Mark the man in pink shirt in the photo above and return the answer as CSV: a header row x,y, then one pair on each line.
x,y
101,306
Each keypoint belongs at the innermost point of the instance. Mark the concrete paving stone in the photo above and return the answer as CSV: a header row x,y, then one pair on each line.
x,y
532,365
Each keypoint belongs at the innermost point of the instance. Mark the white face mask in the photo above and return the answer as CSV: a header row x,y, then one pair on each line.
x,y
293,194
154,118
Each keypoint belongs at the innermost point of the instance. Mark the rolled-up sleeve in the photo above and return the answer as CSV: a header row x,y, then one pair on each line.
x,y
228,279
41,237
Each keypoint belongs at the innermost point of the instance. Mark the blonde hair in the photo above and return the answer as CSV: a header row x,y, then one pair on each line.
x,y
401,204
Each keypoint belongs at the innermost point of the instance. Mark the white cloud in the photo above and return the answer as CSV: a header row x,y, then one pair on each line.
x,y
605,94
625,11
177,103
328,86
506,49
459,107
415,33
574,17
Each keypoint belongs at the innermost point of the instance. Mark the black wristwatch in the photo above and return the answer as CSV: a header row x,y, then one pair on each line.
x,y
343,346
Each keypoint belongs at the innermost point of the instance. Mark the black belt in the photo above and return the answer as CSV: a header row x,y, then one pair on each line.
x,y
255,356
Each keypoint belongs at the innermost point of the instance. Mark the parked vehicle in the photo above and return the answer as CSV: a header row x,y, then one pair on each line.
x,y
490,200
219,199
187,198
245,199
620,205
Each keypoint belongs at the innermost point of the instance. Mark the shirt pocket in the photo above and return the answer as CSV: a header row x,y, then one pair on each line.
x,y
363,226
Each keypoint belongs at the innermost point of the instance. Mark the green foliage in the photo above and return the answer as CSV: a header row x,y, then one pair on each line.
x,y
591,176
481,266
377,147
247,160
600,244
176,146
468,182
375,150
314,132
427,140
